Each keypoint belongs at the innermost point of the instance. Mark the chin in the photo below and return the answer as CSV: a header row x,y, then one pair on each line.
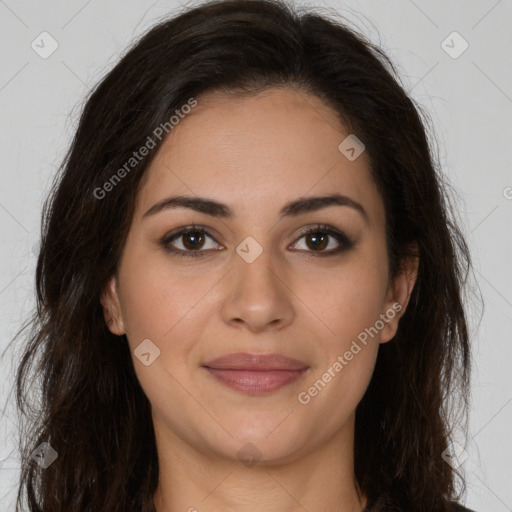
x,y
272,441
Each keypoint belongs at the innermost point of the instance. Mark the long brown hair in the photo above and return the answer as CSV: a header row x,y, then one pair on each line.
x,y
90,407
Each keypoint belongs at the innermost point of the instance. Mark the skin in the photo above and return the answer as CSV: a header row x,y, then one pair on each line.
x,y
255,155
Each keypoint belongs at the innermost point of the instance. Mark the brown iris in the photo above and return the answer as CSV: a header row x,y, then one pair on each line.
x,y
196,237
320,241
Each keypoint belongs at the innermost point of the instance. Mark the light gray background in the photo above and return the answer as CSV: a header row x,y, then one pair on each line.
x,y
469,99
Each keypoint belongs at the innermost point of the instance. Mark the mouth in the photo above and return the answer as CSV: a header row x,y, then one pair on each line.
x,y
255,374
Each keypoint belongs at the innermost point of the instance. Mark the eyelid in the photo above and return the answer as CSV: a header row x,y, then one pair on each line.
x,y
177,233
344,241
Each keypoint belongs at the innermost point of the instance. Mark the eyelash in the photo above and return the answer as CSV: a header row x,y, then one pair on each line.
x,y
345,242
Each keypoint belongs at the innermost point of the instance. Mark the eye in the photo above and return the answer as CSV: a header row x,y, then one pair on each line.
x,y
318,238
192,239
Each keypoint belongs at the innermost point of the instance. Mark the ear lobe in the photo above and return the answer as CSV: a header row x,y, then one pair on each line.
x,y
109,299
399,294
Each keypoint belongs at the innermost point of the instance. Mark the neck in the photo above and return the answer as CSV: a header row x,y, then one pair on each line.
x,y
194,480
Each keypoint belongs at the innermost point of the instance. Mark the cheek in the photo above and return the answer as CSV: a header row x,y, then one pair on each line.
x,y
347,299
339,381
156,299
161,306
171,309
332,398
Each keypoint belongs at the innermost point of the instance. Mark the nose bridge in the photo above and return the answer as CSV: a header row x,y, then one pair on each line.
x,y
257,295
256,267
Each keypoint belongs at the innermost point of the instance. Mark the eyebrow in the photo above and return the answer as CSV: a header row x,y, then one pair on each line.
x,y
291,209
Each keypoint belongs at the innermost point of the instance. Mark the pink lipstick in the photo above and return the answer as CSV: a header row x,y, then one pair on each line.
x,y
255,374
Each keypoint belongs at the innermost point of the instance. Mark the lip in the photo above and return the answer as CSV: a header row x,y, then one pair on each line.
x,y
254,374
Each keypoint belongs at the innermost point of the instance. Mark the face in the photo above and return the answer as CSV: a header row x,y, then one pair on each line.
x,y
246,279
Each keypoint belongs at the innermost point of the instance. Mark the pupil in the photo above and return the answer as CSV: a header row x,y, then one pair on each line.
x,y
196,240
318,241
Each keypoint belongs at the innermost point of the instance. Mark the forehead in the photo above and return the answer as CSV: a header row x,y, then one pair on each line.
x,y
258,152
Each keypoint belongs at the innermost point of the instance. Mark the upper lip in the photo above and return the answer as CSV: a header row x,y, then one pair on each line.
x,y
255,362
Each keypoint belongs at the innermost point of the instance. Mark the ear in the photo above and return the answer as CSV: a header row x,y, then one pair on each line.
x,y
398,294
111,307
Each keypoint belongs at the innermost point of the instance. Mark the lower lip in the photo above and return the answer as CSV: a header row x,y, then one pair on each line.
x,y
255,382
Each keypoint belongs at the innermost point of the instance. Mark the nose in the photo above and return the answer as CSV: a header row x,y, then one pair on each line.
x,y
257,295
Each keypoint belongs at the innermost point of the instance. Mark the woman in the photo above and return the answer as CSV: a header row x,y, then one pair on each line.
x,y
249,283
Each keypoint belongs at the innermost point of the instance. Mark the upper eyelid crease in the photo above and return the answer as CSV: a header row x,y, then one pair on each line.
x,y
341,237
291,209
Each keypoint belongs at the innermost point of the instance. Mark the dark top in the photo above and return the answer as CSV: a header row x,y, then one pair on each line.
x,y
386,504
